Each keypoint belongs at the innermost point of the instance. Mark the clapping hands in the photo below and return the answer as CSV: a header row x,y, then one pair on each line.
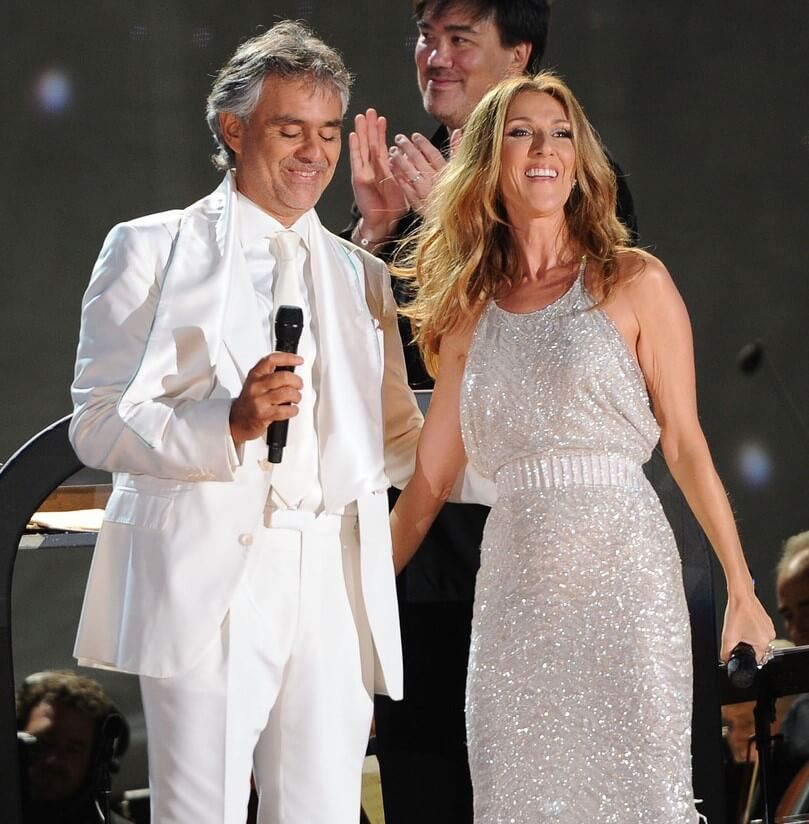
x,y
415,163
379,198
387,181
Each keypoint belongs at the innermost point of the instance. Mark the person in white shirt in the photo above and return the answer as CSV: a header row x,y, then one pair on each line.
x,y
255,600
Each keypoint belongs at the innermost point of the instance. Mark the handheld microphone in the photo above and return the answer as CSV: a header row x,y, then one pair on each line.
x,y
742,666
750,356
288,328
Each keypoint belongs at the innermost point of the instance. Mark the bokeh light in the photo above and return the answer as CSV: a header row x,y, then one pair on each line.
x,y
755,464
54,92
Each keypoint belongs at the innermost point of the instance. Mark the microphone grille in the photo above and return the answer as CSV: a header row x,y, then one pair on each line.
x,y
750,356
289,316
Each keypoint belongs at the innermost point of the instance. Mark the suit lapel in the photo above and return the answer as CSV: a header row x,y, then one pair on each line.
x,y
350,431
204,283
243,334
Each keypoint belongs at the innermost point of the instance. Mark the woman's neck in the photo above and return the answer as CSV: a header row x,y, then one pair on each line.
x,y
544,245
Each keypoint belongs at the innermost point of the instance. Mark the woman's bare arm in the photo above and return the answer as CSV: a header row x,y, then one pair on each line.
x,y
439,456
665,353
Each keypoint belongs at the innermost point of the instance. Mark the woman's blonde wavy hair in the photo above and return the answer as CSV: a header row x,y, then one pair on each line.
x,y
463,252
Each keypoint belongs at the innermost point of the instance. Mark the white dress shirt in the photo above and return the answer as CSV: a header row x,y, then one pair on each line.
x,y
255,229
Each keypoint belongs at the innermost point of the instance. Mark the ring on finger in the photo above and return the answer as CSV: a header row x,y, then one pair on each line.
x,y
768,654
416,178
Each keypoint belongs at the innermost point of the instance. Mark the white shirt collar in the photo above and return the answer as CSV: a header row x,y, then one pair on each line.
x,y
255,223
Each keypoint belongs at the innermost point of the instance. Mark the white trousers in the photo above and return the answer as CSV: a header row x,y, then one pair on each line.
x,y
285,688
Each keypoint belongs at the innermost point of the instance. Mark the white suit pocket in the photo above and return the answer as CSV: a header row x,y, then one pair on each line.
x,y
127,506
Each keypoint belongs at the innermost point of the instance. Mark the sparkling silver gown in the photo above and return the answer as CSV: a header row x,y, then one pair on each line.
x,y
579,690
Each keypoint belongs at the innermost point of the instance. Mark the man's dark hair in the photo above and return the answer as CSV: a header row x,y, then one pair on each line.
x,y
517,21
62,688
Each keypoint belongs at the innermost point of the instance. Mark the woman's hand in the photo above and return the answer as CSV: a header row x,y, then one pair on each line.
x,y
746,620
652,316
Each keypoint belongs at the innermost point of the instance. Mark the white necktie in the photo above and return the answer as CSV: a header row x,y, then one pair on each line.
x,y
297,472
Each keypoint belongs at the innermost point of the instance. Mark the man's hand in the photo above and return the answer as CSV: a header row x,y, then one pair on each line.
x,y
269,394
415,163
379,197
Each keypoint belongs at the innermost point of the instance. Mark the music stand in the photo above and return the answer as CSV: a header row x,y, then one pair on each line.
x,y
787,673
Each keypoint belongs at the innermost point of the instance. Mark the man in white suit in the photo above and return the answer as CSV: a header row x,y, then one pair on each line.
x,y
256,601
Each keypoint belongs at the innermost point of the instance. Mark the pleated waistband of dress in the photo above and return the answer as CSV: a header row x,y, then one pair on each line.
x,y
559,471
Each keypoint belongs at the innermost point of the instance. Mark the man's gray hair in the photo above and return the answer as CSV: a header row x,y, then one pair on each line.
x,y
793,547
288,50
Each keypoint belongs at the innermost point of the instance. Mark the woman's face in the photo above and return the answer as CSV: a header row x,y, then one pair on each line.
x,y
538,158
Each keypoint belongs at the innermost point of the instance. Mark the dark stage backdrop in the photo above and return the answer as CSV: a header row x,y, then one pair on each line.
x,y
703,103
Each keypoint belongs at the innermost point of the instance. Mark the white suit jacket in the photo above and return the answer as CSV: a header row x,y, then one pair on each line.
x,y
169,331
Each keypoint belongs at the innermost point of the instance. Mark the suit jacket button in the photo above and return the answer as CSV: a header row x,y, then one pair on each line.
x,y
246,539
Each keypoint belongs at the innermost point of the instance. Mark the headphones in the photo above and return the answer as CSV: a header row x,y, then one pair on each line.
x,y
110,740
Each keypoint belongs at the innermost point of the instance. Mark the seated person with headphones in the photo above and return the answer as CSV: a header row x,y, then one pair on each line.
x,y
77,736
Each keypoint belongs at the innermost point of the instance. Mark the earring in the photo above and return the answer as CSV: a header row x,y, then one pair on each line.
x,y
574,184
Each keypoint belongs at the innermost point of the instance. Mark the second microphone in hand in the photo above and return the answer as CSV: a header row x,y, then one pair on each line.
x,y
288,328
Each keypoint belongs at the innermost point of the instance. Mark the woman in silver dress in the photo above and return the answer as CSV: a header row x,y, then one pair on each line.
x,y
562,357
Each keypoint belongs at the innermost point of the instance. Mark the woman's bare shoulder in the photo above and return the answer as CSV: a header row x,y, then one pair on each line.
x,y
644,278
458,340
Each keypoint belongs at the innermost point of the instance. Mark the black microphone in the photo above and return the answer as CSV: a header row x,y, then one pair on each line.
x,y
742,666
750,356
288,328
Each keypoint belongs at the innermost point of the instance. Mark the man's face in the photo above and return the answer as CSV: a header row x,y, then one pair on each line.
x,y
459,59
66,737
287,151
793,601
